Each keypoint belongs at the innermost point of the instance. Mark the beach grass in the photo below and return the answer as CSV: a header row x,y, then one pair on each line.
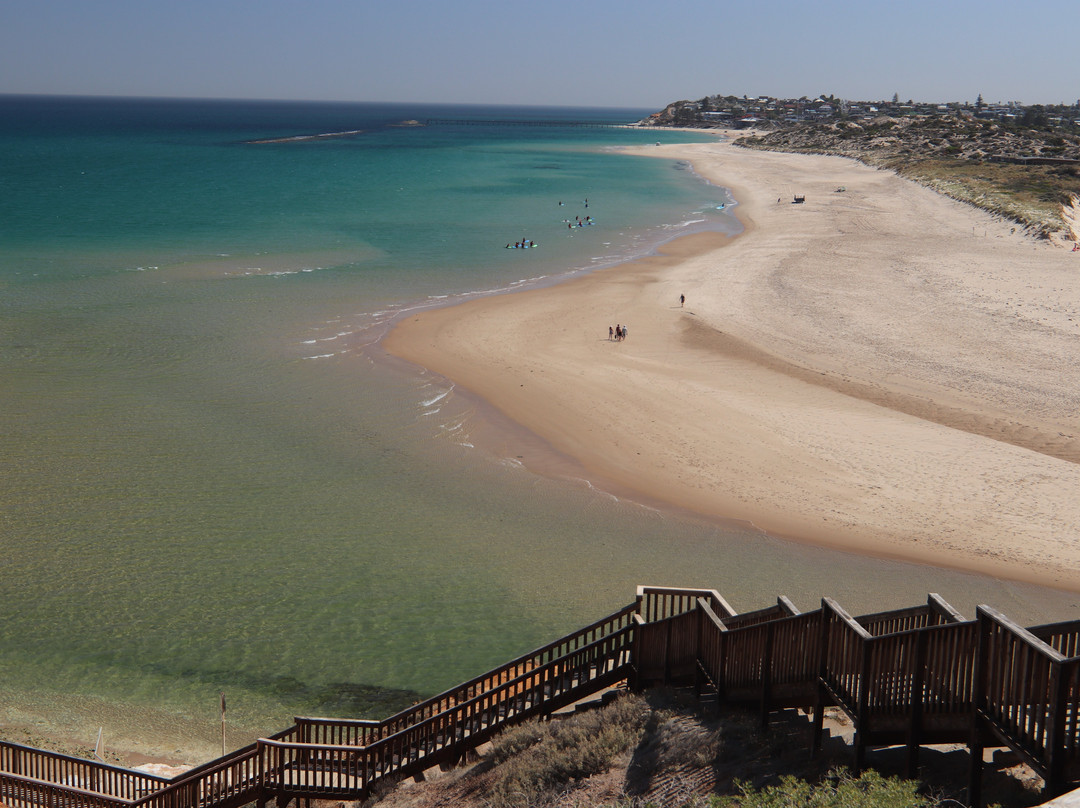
x,y
1031,196
972,161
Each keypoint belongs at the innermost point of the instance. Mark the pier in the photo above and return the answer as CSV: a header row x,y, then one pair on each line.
x,y
525,122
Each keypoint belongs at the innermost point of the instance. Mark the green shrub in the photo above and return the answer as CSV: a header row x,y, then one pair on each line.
x,y
514,741
840,790
557,753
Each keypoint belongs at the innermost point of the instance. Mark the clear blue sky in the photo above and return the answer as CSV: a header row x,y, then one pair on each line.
x,y
566,52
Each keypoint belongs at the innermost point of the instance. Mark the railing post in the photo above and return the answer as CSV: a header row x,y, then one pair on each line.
x,y
305,737
819,698
766,674
1055,744
975,745
720,674
260,756
635,654
863,708
667,652
697,651
918,685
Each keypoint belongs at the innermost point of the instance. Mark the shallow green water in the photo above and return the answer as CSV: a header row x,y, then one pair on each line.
x,y
208,482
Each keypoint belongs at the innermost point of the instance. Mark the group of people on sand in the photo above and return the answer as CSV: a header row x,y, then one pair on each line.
x,y
618,333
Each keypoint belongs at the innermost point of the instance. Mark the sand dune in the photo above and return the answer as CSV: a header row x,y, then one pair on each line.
x,y
881,369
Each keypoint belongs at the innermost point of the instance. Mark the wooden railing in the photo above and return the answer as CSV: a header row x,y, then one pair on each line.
x,y
1062,637
101,778
912,686
233,780
341,757
910,676
783,608
1027,694
903,677
659,602
935,613
774,663
442,729
340,732
17,791
844,667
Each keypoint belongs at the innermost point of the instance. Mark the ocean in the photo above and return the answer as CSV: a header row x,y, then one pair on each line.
x,y
212,482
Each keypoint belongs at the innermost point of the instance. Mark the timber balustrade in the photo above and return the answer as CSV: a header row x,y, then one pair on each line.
x,y
41,765
905,677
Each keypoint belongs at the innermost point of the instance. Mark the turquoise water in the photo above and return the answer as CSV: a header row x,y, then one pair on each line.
x,y
210,483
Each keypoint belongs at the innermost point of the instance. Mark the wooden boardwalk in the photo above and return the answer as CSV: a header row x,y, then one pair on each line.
x,y
908,677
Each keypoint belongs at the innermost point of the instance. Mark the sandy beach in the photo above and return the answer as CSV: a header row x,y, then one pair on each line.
x,y
879,369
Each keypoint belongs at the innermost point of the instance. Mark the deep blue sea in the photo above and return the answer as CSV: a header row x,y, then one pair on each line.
x,y
209,483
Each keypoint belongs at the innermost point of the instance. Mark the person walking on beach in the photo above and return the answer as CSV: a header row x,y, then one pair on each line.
x,y
618,332
610,333
624,332
682,301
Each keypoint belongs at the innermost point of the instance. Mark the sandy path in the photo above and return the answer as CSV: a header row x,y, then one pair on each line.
x,y
880,369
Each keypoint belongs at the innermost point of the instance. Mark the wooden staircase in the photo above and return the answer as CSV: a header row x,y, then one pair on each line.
x,y
907,677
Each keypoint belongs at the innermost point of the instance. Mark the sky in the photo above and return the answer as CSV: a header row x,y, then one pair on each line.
x,y
607,53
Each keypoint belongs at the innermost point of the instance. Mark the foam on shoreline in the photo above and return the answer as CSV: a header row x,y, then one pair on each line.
x,y
879,370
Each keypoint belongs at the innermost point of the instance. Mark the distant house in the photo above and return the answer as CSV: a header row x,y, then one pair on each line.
x,y
717,117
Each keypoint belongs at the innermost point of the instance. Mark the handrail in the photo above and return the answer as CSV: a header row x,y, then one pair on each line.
x,y
1063,637
354,722
944,609
215,764
784,602
479,716
91,798
322,747
227,777
658,602
711,615
935,612
48,753
902,675
783,608
843,665
54,767
840,614
454,693
214,777
350,731
1024,635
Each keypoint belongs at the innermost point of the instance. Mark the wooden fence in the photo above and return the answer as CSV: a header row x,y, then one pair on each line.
x,y
910,676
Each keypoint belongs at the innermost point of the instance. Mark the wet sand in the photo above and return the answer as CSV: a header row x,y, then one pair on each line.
x,y
879,369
